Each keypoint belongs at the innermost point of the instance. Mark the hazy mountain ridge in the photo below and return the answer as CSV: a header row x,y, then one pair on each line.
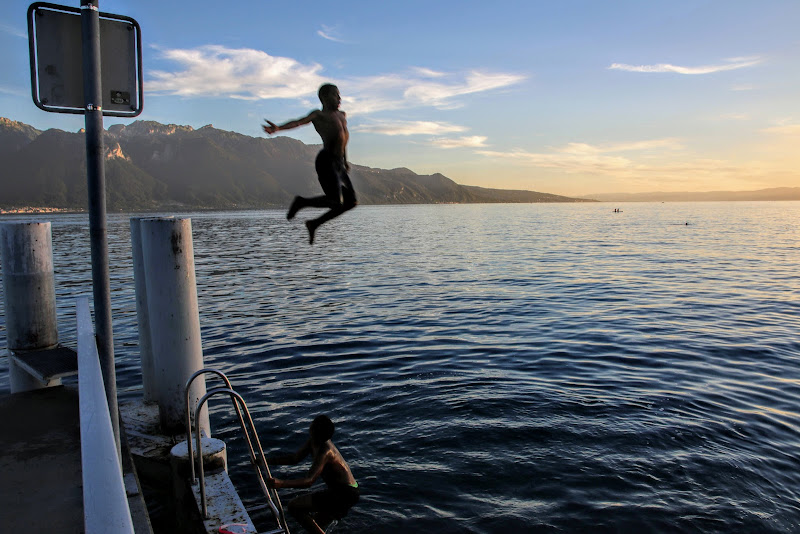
x,y
773,193
150,165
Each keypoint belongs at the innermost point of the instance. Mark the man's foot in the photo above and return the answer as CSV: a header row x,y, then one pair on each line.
x,y
293,209
312,228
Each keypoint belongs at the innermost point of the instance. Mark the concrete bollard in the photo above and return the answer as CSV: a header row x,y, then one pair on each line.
x,y
215,460
30,296
174,319
215,457
142,315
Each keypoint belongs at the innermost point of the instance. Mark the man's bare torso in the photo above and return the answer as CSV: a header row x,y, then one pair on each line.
x,y
339,470
332,128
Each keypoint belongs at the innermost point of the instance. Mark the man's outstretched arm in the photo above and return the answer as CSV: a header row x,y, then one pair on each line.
x,y
271,127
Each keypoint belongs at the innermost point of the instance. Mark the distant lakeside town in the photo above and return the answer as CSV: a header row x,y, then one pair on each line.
x,y
35,210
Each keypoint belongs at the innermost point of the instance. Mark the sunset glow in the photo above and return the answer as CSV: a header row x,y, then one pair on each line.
x,y
571,98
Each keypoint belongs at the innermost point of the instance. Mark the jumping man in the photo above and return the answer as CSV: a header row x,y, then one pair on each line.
x,y
331,163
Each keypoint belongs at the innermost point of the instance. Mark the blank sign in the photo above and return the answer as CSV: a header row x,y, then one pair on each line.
x,y
57,61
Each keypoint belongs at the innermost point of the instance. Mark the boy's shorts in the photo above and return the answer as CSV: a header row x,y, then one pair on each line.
x,y
335,502
334,179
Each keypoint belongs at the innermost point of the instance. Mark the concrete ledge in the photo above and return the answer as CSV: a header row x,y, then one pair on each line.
x,y
133,490
224,505
47,365
149,448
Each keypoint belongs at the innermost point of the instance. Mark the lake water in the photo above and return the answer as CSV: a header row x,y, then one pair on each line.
x,y
504,368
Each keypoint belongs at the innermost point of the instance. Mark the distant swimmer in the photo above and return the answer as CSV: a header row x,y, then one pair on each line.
x,y
317,510
331,163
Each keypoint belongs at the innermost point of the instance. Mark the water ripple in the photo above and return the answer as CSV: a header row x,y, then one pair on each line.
x,y
491,369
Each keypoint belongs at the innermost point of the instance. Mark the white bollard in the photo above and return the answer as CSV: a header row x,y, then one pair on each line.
x,y
174,319
30,295
142,316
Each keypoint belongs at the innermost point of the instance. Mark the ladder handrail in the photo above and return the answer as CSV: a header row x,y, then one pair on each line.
x,y
188,414
257,462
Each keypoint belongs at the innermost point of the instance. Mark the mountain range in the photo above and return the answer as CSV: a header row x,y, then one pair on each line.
x,y
152,166
773,193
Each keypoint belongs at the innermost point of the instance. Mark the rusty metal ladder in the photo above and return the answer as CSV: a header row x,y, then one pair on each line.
x,y
257,458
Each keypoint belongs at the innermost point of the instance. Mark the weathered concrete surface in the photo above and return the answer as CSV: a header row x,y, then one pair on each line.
x,y
224,505
41,487
40,462
133,489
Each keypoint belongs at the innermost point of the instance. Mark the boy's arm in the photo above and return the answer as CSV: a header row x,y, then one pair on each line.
x,y
313,474
271,127
291,459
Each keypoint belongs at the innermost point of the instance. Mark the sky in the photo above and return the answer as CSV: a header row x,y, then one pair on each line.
x,y
571,97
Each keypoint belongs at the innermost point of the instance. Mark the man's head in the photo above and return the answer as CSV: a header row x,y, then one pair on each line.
x,y
321,429
329,96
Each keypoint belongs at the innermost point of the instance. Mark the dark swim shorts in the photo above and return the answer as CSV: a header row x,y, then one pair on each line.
x,y
334,179
335,501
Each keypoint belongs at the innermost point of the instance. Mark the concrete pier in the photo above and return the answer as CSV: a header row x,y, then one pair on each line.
x,y
49,459
41,484
40,468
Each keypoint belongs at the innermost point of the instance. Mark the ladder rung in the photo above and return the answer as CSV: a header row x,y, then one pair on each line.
x,y
258,508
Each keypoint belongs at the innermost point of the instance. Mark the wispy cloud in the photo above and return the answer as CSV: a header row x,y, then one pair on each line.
x,y
14,91
423,88
429,73
5,28
249,74
565,160
474,141
784,129
244,73
589,159
668,143
331,33
730,64
635,169
440,94
735,116
409,128
425,128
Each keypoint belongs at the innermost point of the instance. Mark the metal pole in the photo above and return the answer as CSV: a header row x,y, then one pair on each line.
x,y
95,174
